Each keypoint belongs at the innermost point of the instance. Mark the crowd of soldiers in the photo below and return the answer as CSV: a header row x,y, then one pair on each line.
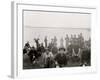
x,y
75,53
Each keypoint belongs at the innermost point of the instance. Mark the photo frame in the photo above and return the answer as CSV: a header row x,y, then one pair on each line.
x,y
62,15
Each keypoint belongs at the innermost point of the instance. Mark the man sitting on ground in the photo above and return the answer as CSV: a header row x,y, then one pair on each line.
x,y
60,58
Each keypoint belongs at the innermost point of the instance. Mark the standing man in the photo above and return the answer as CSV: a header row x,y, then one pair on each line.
x,y
37,42
61,43
67,41
45,40
55,41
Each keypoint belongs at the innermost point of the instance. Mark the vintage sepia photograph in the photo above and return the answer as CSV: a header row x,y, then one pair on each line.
x,y
56,39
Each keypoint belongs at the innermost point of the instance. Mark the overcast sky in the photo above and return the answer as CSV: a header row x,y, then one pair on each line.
x,y
50,24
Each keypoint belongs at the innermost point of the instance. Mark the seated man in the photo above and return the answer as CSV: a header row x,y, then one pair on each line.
x,y
86,57
60,58
48,59
76,53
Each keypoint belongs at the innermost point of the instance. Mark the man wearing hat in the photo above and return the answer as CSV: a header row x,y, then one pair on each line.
x,y
60,58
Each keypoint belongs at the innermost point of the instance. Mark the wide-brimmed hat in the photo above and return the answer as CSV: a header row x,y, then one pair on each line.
x,y
61,48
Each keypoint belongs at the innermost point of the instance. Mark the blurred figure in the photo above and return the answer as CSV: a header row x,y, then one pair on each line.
x,y
67,41
60,58
48,59
42,48
55,41
76,50
54,50
76,53
71,39
70,49
61,42
86,57
31,54
81,40
74,39
45,40
27,44
26,48
37,42
86,53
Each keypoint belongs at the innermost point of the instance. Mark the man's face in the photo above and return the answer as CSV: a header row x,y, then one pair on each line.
x,y
61,51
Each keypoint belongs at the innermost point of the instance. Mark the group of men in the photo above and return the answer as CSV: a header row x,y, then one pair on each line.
x,y
77,52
